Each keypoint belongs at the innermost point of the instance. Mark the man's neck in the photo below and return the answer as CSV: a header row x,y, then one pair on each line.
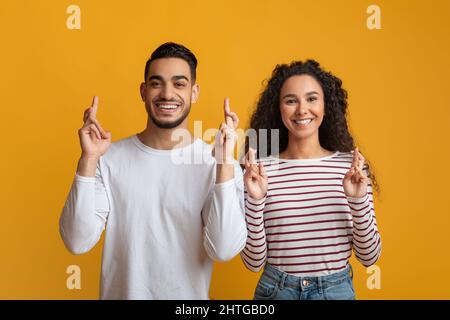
x,y
166,139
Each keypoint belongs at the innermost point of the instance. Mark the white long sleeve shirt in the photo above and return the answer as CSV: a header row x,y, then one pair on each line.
x,y
165,218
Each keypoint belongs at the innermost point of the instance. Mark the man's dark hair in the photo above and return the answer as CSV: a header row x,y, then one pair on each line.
x,y
173,50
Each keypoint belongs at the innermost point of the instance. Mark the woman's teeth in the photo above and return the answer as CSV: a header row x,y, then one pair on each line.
x,y
304,122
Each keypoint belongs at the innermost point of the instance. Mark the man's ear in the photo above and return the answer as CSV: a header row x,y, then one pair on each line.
x,y
143,89
195,93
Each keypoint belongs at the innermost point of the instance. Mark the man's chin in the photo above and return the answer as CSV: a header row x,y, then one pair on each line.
x,y
165,124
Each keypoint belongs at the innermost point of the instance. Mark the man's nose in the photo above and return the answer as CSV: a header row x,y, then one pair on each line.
x,y
167,92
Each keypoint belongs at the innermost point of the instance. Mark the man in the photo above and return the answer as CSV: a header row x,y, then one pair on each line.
x,y
165,220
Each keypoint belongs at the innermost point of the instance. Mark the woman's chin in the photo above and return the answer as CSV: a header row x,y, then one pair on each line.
x,y
301,134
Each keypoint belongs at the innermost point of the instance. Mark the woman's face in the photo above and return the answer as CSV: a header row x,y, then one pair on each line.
x,y
302,106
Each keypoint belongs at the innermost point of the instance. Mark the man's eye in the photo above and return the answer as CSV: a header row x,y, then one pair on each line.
x,y
180,84
154,84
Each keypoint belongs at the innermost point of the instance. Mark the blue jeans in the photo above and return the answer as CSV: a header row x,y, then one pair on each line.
x,y
278,285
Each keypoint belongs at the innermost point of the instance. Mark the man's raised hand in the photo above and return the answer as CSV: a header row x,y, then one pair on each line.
x,y
94,140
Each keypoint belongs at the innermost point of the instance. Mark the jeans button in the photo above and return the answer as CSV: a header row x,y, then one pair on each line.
x,y
305,283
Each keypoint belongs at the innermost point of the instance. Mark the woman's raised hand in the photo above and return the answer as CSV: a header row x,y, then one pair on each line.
x,y
255,177
355,181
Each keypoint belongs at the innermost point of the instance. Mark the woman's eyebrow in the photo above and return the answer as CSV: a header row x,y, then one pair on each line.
x,y
311,93
289,95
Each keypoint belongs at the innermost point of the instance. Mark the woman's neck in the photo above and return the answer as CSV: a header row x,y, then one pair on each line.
x,y
309,148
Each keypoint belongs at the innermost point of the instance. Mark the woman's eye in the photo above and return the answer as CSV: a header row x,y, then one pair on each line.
x,y
291,101
311,99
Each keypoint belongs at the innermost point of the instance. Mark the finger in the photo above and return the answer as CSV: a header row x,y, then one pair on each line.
x,y
361,173
356,176
355,157
226,112
94,106
108,135
362,160
348,174
99,127
93,128
86,114
262,170
229,135
254,174
255,169
251,158
223,134
247,161
234,118
218,137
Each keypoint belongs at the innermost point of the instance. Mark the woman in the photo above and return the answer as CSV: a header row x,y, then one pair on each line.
x,y
309,205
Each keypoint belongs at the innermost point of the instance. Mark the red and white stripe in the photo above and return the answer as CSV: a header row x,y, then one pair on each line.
x,y
306,225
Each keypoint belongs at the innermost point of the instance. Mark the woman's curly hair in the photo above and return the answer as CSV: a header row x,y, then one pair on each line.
x,y
333,131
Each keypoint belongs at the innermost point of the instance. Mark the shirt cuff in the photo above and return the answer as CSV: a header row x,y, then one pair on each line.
x,y
223,185
256,202
79,178
357,200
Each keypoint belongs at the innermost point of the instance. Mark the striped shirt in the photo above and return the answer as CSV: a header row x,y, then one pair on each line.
x,y
306,225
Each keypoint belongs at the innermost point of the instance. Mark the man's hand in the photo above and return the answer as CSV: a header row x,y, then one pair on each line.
x,y
94,141
226,137
224,145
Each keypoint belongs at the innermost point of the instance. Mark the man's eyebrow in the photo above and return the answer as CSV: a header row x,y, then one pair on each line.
x,y
155,77
174,78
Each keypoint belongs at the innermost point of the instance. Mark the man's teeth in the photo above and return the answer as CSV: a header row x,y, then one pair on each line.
x,y
167,106
306,121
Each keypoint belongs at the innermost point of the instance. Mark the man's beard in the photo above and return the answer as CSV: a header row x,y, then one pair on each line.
x,y
168,125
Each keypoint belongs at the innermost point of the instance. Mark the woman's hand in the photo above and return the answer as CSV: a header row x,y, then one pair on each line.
x,y
355,181
255,177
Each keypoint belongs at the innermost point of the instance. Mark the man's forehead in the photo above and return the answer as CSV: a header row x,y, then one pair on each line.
x,y
169,68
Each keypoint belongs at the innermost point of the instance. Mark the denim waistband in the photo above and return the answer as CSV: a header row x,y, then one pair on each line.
x,y
285,279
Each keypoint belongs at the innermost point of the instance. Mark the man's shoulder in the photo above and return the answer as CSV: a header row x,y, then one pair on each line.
x,y
118,148
122,144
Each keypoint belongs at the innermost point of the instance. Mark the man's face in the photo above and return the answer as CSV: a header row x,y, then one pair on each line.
x,y
168,92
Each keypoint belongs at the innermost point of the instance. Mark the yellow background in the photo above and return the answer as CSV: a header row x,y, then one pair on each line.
x,y
397,79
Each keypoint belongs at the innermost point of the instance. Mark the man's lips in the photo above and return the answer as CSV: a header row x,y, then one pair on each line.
x,y
167,106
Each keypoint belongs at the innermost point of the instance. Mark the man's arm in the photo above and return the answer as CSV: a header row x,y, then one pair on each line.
x,y
225,231
85,212
86,208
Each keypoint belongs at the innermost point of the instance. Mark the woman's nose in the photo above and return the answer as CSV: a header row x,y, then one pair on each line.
x,y
301,108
